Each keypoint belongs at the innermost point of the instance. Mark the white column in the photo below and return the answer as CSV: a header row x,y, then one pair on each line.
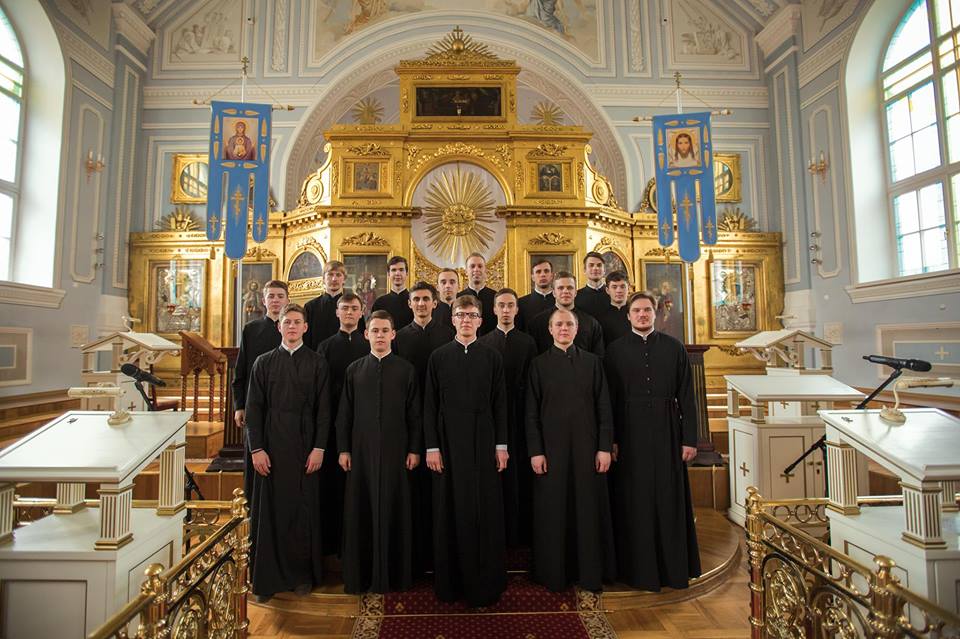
x,y
6,512
842,478
172,460
921,510
116,505
69,498
949,498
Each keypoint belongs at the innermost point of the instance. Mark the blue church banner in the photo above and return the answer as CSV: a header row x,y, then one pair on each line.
x,y
239,170
683,147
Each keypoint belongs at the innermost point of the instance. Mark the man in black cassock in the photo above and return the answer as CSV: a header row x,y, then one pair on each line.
x,y
322,310
613,320
540,298
655,433
380,435
465,432
570,438
288,420
589,334
477,286
396,300
258,337
415,342
517,350
340,350
448,282
593,297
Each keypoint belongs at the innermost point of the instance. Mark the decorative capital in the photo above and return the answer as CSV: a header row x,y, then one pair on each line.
x,y
368,238
371,148
548,150
550,239
132,27
785,24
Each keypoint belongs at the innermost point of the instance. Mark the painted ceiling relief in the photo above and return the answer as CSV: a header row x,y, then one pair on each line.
x,y
209,37
699,33
820,17
575,21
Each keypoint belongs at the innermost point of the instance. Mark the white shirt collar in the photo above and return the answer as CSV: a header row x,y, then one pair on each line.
x,y
465,344
500,328
643,335
596,288
549,292
289,349
379,357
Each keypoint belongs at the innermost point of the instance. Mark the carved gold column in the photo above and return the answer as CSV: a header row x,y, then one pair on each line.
x,y
69,498
171,479
755,560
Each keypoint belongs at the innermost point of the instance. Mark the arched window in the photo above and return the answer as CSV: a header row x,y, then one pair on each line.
x,y
11,130
920,80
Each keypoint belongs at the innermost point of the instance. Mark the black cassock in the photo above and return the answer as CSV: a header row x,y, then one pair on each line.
x,y
465,416
288,415
589,334
593,300
615,323
416,344
531,305
322,320
568,419
397,305
442,314
340,350
378,424
517,350
486,295
258,337
651,390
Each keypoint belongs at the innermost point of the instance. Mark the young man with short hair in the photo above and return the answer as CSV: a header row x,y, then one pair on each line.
x,y
592,298
569,438
322,310
589,334
380,437
340,350
614,320
541,297
448,282
465,432
288,421
517,350
477,286
395,300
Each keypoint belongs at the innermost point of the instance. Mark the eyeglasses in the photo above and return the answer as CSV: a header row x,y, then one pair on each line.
x,y
463,316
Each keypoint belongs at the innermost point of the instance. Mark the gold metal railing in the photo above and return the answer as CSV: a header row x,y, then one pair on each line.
x,y
204,595
801,587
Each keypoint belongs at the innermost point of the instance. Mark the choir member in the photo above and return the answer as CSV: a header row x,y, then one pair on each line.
x,y
589,334
448,283
592,298
613,320
655,433
379,434
415,342
477,286
465,432
288,420
395,301
322,310
541,297
340,350
517,350
569,431
258,337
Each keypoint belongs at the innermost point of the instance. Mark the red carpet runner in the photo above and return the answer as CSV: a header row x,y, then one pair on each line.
x,y
525,611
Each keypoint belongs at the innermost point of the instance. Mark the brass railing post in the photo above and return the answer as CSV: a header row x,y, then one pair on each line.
x,y
153,619
241,552
885,604
755,559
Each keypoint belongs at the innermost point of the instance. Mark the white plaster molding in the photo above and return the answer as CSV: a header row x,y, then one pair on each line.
x,y
939,283
801,305
88,274
785,24
164,69
131,58
278,53
123,206
182,96
834,196
132,27
637,42
819,94
788,163
93,95
78,50
29,295
780,58
702,67
744,97
833,52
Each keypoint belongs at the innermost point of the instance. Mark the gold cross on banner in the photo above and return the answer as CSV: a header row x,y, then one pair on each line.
x,y
259,224
213,222
710,227
744,469
664,229
237,198
942,353
685,204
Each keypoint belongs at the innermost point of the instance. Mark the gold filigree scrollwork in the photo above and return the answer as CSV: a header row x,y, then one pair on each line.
x,y
222,619
550,239
736,221
312,191
189,622
404,101
548,150
397,176
257,252
366,238
662,252
370,148
412,152
606,244
729,349
786,598
181,219
837,615
581,179
518,171
457,49
305,286
503,150
334,180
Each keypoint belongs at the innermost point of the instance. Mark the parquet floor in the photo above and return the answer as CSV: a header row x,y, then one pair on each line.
x,y
720,613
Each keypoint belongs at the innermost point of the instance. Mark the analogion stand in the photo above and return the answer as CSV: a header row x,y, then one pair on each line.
x,y
74,568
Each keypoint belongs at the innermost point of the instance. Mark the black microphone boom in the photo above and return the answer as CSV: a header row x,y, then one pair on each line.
x,y
910,364
140,375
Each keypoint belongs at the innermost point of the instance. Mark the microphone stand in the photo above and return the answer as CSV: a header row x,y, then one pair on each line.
x,y
821,443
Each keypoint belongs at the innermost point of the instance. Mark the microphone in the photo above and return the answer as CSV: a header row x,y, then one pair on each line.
x,y
140,375
911,364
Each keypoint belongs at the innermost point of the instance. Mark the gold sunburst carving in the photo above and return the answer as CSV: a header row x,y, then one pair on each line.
x,y
459,215
367,111
547,114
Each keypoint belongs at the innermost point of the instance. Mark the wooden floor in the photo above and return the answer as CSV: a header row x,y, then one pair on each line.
x,y
717,606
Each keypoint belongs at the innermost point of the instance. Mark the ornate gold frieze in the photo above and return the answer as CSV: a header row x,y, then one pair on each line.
x,y
662,252
308,285
370,148
257,252
548,150
367,238
550,239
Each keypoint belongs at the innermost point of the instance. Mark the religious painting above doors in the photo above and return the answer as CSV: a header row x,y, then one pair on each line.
x,y
176,303
734,289
666,280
